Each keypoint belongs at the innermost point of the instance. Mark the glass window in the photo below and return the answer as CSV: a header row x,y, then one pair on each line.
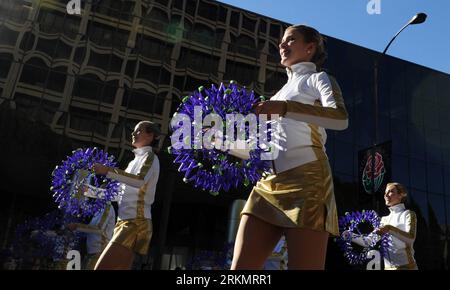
x,y
34,75
120,39
99,60
18,13
149,73
47,46
71,25
447,180
223,11
445,147
159,103
26,103
203,34
399,137
262,25
274,55
243,73
234,21
275,31
248,23
82,119
418,173
115,9
57,80
88,87
141,100
347,134
274,82
442,89
343,157
207,10
178,4
397,96
100,34
154,48
130,68
364,126
244,45
157,19
419,204
431,116
447,206
434,180
80,54
5,63
101,124
63,50
115,63
192,84
50,21
27,41
344,178
416,142
444,120
399,169
416,112
384,128
191,6
433,146
436,213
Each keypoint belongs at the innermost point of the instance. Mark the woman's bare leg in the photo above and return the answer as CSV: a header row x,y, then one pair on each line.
x,y
115,257
307,249
255,241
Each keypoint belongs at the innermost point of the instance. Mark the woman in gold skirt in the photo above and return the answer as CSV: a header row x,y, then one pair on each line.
x,y
297,200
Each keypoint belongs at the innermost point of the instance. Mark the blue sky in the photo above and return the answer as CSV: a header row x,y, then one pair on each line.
x,y
427,44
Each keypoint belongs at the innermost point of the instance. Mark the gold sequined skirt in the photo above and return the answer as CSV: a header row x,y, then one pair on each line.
x,y
301,197
134,234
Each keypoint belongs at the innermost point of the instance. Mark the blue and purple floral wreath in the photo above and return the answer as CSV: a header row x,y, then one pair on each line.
x,y
45,237
364,223
67,186
212,169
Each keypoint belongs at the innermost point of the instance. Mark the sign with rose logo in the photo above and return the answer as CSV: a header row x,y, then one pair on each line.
x,y
375,168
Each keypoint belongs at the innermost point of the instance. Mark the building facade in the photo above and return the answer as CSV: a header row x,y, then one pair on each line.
x,y
70,81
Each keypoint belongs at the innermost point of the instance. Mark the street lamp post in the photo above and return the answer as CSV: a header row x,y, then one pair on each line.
x,y
416,19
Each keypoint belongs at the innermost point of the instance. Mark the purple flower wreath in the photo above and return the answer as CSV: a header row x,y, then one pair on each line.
x,y
212,169
364,223
67,183
45,237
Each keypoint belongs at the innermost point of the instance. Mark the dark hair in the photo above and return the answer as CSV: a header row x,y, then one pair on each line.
x,y
312,35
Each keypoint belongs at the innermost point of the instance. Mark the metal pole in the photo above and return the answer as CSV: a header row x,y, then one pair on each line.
x,y
376,133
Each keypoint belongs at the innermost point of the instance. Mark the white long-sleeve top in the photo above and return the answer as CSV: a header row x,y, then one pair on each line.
x,y
314,103
138,184
402,225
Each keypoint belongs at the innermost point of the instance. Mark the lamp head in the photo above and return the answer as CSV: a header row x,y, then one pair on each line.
x,y
418,18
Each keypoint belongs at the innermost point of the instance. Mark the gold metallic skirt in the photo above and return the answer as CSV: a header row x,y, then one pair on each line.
x,y
301,197
134,234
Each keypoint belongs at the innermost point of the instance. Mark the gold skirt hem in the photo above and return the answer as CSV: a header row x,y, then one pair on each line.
x,y
302,197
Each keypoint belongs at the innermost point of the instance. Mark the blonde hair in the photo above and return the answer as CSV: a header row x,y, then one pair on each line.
x,y
401,189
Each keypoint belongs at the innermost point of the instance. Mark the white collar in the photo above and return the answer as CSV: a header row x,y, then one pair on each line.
x,y
301,68
397,208
141,151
